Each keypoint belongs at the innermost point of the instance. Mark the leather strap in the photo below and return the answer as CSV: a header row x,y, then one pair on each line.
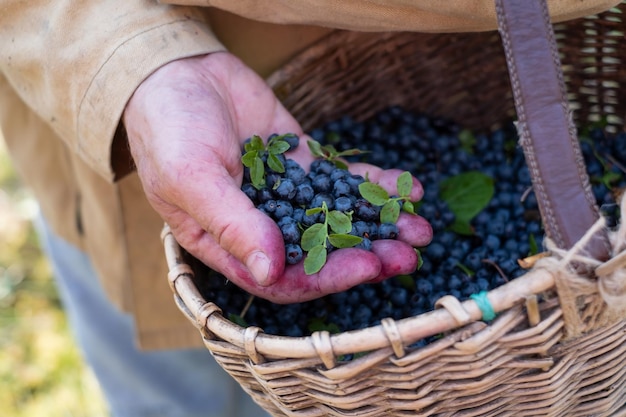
x,y
545,125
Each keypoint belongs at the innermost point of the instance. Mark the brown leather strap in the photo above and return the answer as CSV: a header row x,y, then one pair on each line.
x,y
547,132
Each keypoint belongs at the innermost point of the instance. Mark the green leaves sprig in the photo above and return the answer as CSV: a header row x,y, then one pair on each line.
x,y
330,153
466,194
256,150
391,206
334,230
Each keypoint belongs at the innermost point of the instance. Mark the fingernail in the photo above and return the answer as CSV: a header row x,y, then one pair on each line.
x,y
259,265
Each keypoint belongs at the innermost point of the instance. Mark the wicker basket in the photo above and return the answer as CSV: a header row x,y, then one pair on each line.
x,y
564,355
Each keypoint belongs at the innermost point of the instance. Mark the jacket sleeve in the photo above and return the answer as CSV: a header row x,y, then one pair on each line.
x,y
76,63
389,15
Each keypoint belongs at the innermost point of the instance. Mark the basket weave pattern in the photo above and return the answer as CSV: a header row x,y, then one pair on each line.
x,y
555,349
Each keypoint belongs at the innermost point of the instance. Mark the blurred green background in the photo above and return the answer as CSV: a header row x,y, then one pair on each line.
x,y
42,372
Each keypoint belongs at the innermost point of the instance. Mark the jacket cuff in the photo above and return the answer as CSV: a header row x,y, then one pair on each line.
x,y
100,111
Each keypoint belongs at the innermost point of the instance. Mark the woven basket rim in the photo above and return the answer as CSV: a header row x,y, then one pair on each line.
x,y
452,315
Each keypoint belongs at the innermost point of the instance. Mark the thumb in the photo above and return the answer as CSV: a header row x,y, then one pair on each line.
x,y
237,226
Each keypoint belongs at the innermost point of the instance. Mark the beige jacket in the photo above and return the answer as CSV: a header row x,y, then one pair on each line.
x,y
68,68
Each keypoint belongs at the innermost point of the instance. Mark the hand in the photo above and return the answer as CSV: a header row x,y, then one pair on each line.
x,y
186,124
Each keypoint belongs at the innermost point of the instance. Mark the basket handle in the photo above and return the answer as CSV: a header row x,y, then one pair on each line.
x,y
545,125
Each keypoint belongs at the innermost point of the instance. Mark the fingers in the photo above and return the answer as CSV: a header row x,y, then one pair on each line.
x,y
414,230
296,286
397,258
387,178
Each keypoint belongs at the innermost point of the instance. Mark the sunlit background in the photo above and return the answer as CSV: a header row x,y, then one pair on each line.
x,y
41,370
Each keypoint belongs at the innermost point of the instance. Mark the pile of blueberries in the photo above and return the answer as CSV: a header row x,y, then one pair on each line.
x,y
432,149
287,196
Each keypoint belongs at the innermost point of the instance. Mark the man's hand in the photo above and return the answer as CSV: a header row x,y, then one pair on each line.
x,y
186,124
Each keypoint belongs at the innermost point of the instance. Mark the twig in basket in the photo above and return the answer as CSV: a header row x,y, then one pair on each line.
x,y
529,261
526,193
495,265
615,162
245,308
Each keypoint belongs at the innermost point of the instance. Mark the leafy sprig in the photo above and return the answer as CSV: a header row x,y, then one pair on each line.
x,y
391,206
334,230
256,151
330,153
466,194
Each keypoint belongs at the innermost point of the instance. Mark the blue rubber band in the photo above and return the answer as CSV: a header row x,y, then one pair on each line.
x,y
484,305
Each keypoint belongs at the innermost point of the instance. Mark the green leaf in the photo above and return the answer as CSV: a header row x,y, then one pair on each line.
x,y
257,173
330,152
390,212
339,222
314,210
342,240
408,207
467,194
333,137
351,152
532,243
373,193
313,236
405,184
256,143
420,259
462,227
248,159
340,164
316,324
278,146
406,281
468,140
315,147
237,319
275,163
315,260
465,269
610,177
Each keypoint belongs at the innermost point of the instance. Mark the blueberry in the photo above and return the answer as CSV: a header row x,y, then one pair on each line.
x,y
341,188
293,253
321,183
322,166
304,194
360,228
310,219
283,208
318,199
354,181
286,189
339,174
343,203
364,210
272,179
269,206
291,232
298,214
423,286
492,242
292,139
373,232
388,231
249,190
399,297
364,244
454,282
265,194
436,251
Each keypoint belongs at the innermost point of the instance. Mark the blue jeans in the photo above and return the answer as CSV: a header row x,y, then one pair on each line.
x,y
174,383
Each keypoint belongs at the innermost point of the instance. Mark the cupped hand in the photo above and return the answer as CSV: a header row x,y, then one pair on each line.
x,y
186,124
